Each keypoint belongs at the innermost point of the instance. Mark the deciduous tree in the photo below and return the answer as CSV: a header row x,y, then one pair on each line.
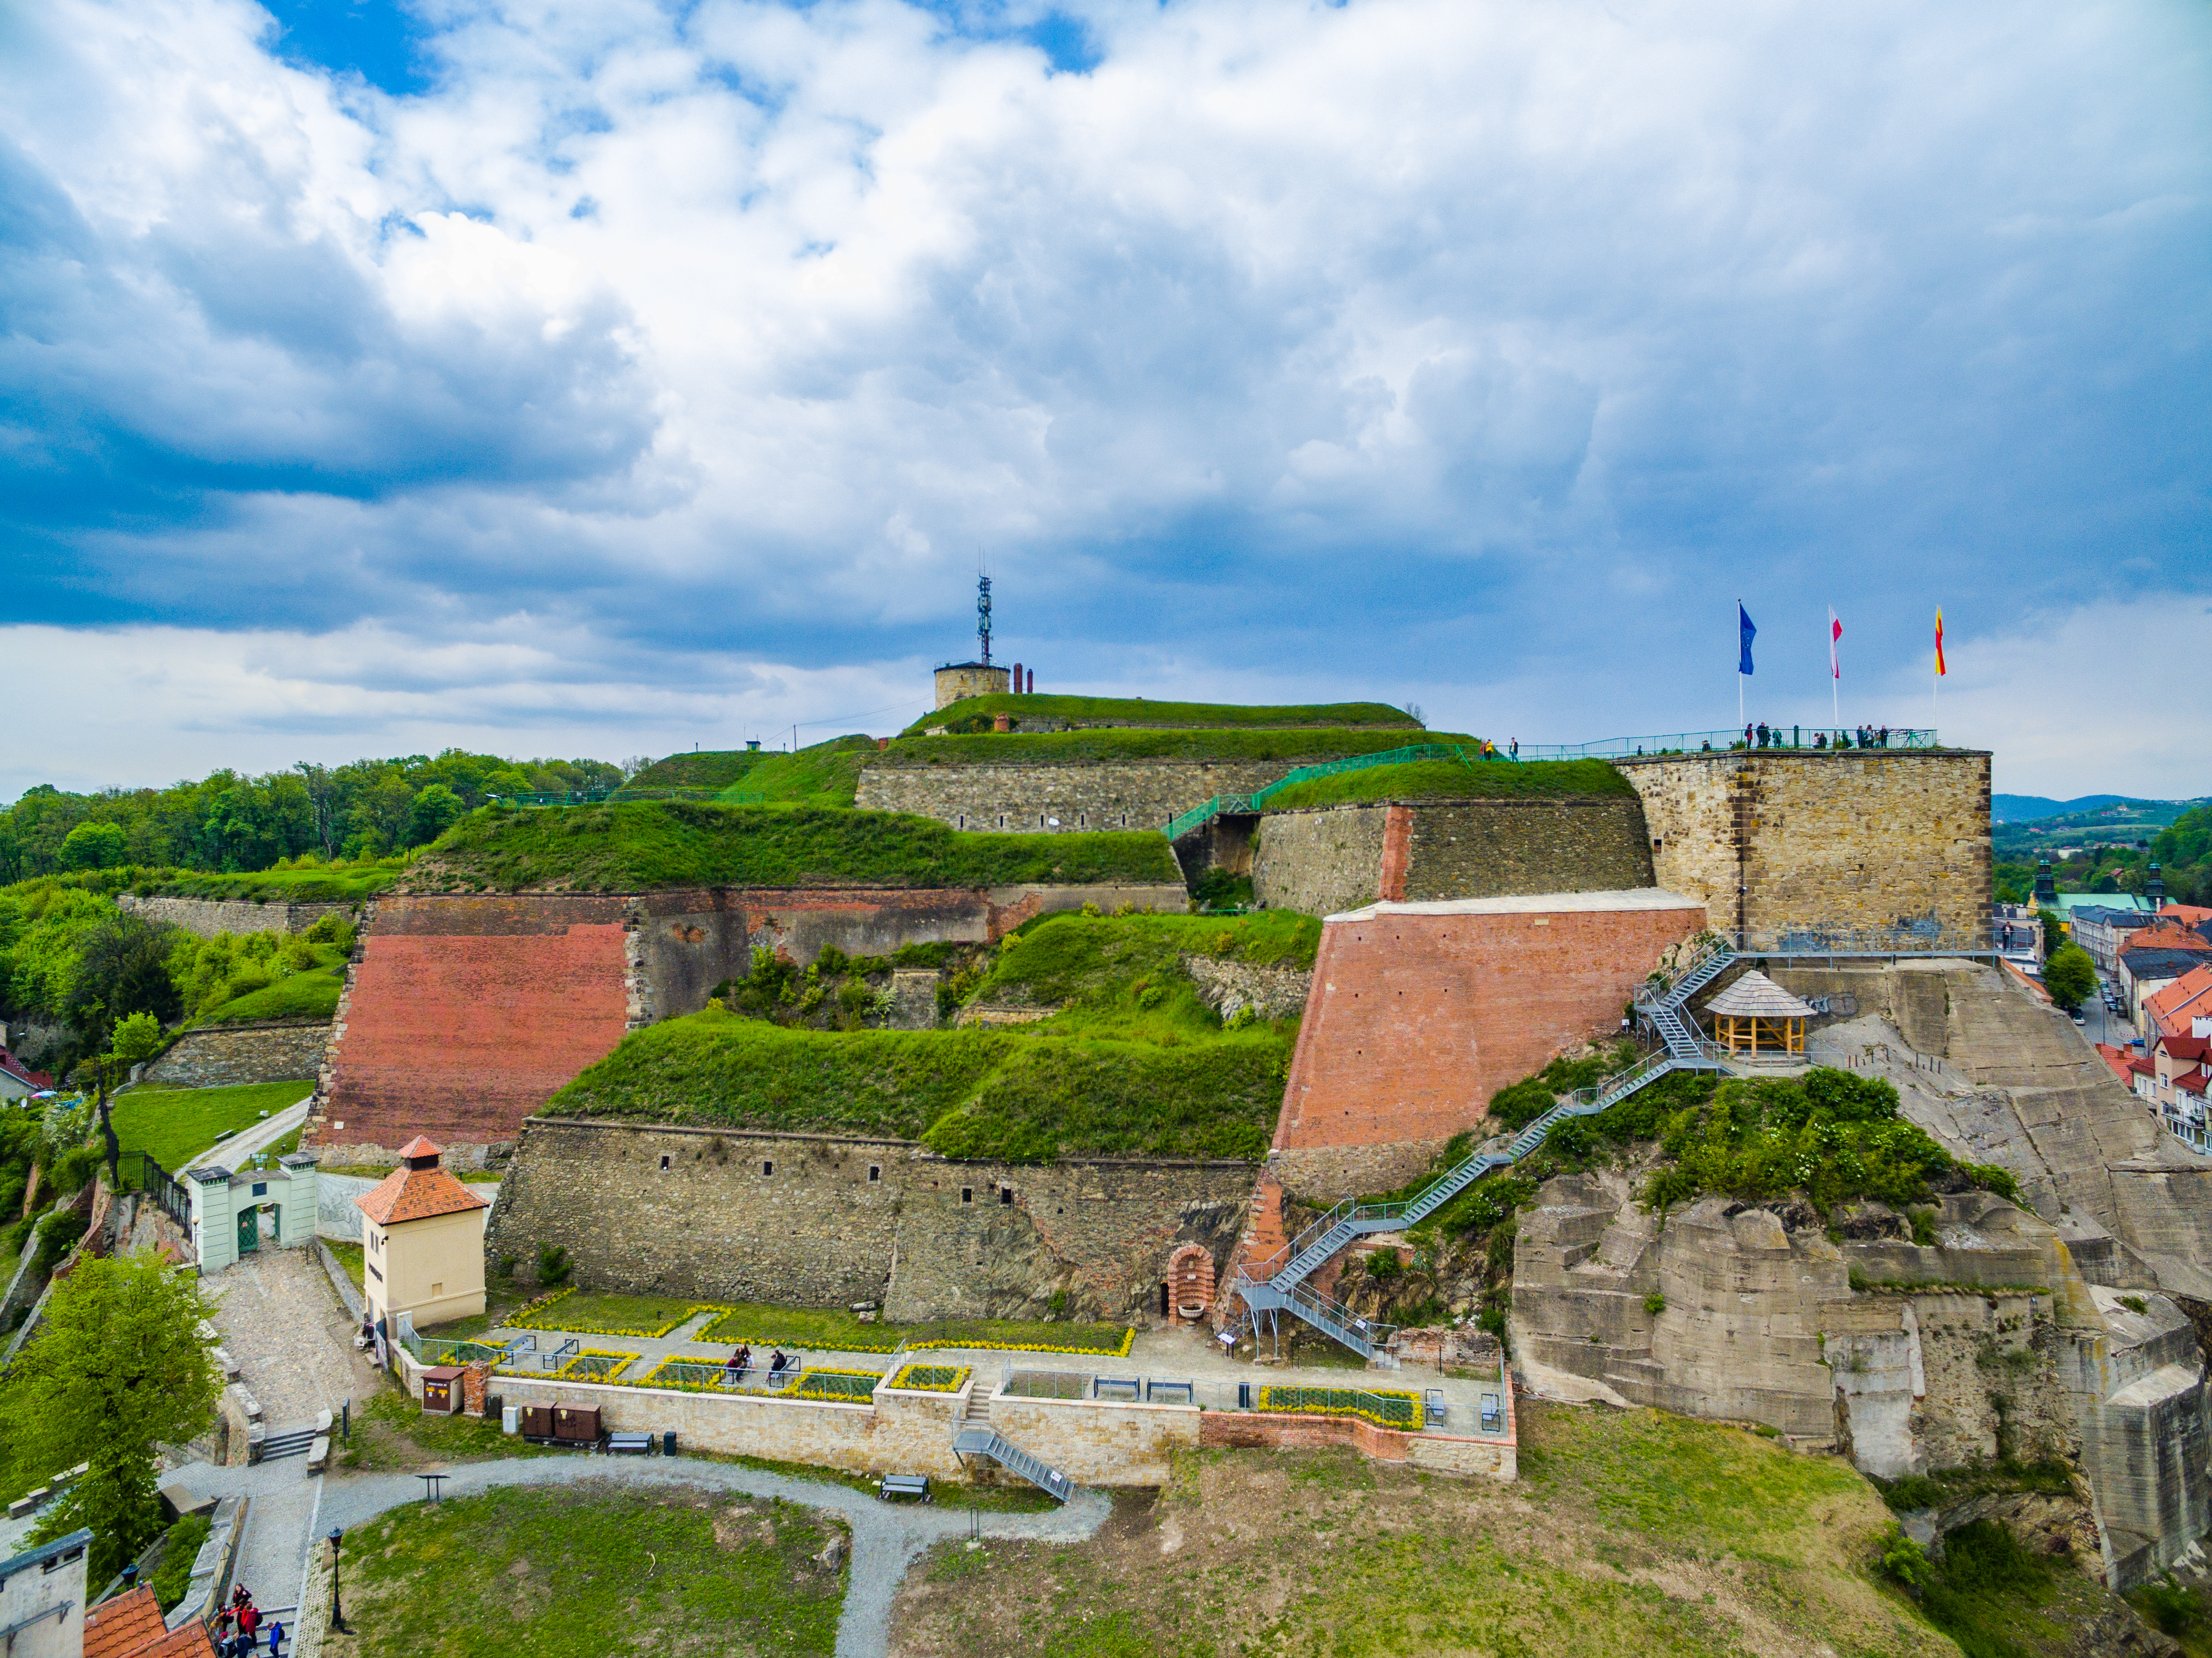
x,y
120,1367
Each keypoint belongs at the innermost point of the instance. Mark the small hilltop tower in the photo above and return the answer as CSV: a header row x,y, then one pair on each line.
x,y
956,680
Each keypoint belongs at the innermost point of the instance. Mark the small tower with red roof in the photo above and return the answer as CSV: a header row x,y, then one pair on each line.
x,y
422,1240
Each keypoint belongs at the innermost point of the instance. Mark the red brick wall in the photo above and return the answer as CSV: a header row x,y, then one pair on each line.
x,y
1417,1018
460,1036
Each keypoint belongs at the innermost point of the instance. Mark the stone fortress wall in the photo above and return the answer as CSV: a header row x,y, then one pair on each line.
x,y
220,1056
827,1221
1329,859
1780,841
1136,794
206,917
464,1014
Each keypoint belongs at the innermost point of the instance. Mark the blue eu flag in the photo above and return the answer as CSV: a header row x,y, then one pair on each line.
x,y
1748,634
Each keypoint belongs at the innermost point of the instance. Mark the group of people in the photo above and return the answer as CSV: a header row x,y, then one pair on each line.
x,y
240,1626
741,1365
1761,735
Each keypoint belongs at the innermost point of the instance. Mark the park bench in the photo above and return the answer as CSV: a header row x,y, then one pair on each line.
x,y
905,1484
630,1444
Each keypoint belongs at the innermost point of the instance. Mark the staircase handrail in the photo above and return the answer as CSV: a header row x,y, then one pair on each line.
x,y
1665,990
1318,1308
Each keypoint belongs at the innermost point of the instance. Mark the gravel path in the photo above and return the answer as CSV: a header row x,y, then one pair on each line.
x,y
282,1324
887,1537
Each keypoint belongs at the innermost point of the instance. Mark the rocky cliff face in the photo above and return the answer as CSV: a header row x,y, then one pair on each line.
x,y
1987,1346
1998,1077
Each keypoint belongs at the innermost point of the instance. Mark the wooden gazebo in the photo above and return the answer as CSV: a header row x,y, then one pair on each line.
x,y
1756,1016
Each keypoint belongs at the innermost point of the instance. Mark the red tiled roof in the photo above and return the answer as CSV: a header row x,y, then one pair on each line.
x,y
2169,937
23,1073
2190,1082
2188,997
422,1146
2184,1047
2187,914
408,1194
131,1626
123,1624
2115,1058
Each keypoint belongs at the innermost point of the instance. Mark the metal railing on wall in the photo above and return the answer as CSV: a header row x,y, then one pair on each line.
x,y
159,1184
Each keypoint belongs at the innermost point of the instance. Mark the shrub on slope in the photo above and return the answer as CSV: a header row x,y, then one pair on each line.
x,y
1133,1065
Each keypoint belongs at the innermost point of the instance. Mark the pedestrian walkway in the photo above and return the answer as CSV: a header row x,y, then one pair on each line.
x,y
887,1539
1185,1354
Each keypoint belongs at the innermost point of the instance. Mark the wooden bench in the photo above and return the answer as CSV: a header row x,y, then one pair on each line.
x,y
905,1484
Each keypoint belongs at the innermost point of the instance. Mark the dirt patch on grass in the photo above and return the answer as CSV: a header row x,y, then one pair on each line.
x,y
1629,1533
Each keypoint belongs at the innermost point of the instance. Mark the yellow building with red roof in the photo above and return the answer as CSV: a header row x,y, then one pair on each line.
x,y
423,1242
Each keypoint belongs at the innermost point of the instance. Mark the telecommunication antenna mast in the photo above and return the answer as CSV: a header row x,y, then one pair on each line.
x,y
983,616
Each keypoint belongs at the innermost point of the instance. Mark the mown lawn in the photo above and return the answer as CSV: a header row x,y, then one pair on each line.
x,y
177,1123
818,1329
582,1570
1213,715
1489,780
1307,746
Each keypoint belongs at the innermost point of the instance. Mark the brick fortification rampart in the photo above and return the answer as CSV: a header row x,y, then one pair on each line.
x,y
1845,839
1099,794
1338,858
818,1220
463,1014
1420,1012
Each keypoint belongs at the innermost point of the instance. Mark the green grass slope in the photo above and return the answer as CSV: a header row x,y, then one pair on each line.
x,y
639,845
1492,779
823,774
177,1124
1140,710
1118,743
1133,1066
310,995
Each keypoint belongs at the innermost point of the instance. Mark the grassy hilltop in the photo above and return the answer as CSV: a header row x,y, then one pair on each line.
x,y
1143,711
1450,780
637,844
1134,1064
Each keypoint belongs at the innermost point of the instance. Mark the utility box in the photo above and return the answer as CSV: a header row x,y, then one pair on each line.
x,y
537,1421
510,1419
577,1423
441,1390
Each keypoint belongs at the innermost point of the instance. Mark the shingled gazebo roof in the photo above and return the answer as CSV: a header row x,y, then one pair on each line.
x,y
1755,996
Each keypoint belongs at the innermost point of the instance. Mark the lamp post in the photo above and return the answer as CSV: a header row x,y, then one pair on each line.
x,y
337,1617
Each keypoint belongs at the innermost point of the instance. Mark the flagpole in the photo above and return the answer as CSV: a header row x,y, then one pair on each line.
x,y
1739,662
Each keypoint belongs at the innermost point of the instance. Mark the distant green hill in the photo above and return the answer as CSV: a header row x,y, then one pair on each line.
x,y
1143,711
1135,1065
636,846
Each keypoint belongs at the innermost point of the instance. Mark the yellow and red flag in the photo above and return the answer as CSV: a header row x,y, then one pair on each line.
x,y
1939,642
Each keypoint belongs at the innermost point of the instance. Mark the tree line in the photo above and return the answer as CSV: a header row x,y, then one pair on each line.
x,y
227,822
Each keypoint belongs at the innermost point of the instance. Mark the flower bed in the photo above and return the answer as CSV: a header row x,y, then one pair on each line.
x,y
846,1386
931,1378
1386,1410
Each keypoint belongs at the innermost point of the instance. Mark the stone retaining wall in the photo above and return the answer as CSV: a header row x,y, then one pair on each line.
x,y
1327,859
824,1221
222,1056
206,917
1098,794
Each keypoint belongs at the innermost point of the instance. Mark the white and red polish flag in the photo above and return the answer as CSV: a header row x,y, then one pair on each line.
x,y
1835,639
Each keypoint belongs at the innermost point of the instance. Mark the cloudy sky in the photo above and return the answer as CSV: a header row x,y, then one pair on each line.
x,y
600,377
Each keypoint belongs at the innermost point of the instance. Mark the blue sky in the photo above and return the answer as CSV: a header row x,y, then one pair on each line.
x,y
600,376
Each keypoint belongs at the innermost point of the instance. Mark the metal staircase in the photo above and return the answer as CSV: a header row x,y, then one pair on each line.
x,y
973,1435
1279,1282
